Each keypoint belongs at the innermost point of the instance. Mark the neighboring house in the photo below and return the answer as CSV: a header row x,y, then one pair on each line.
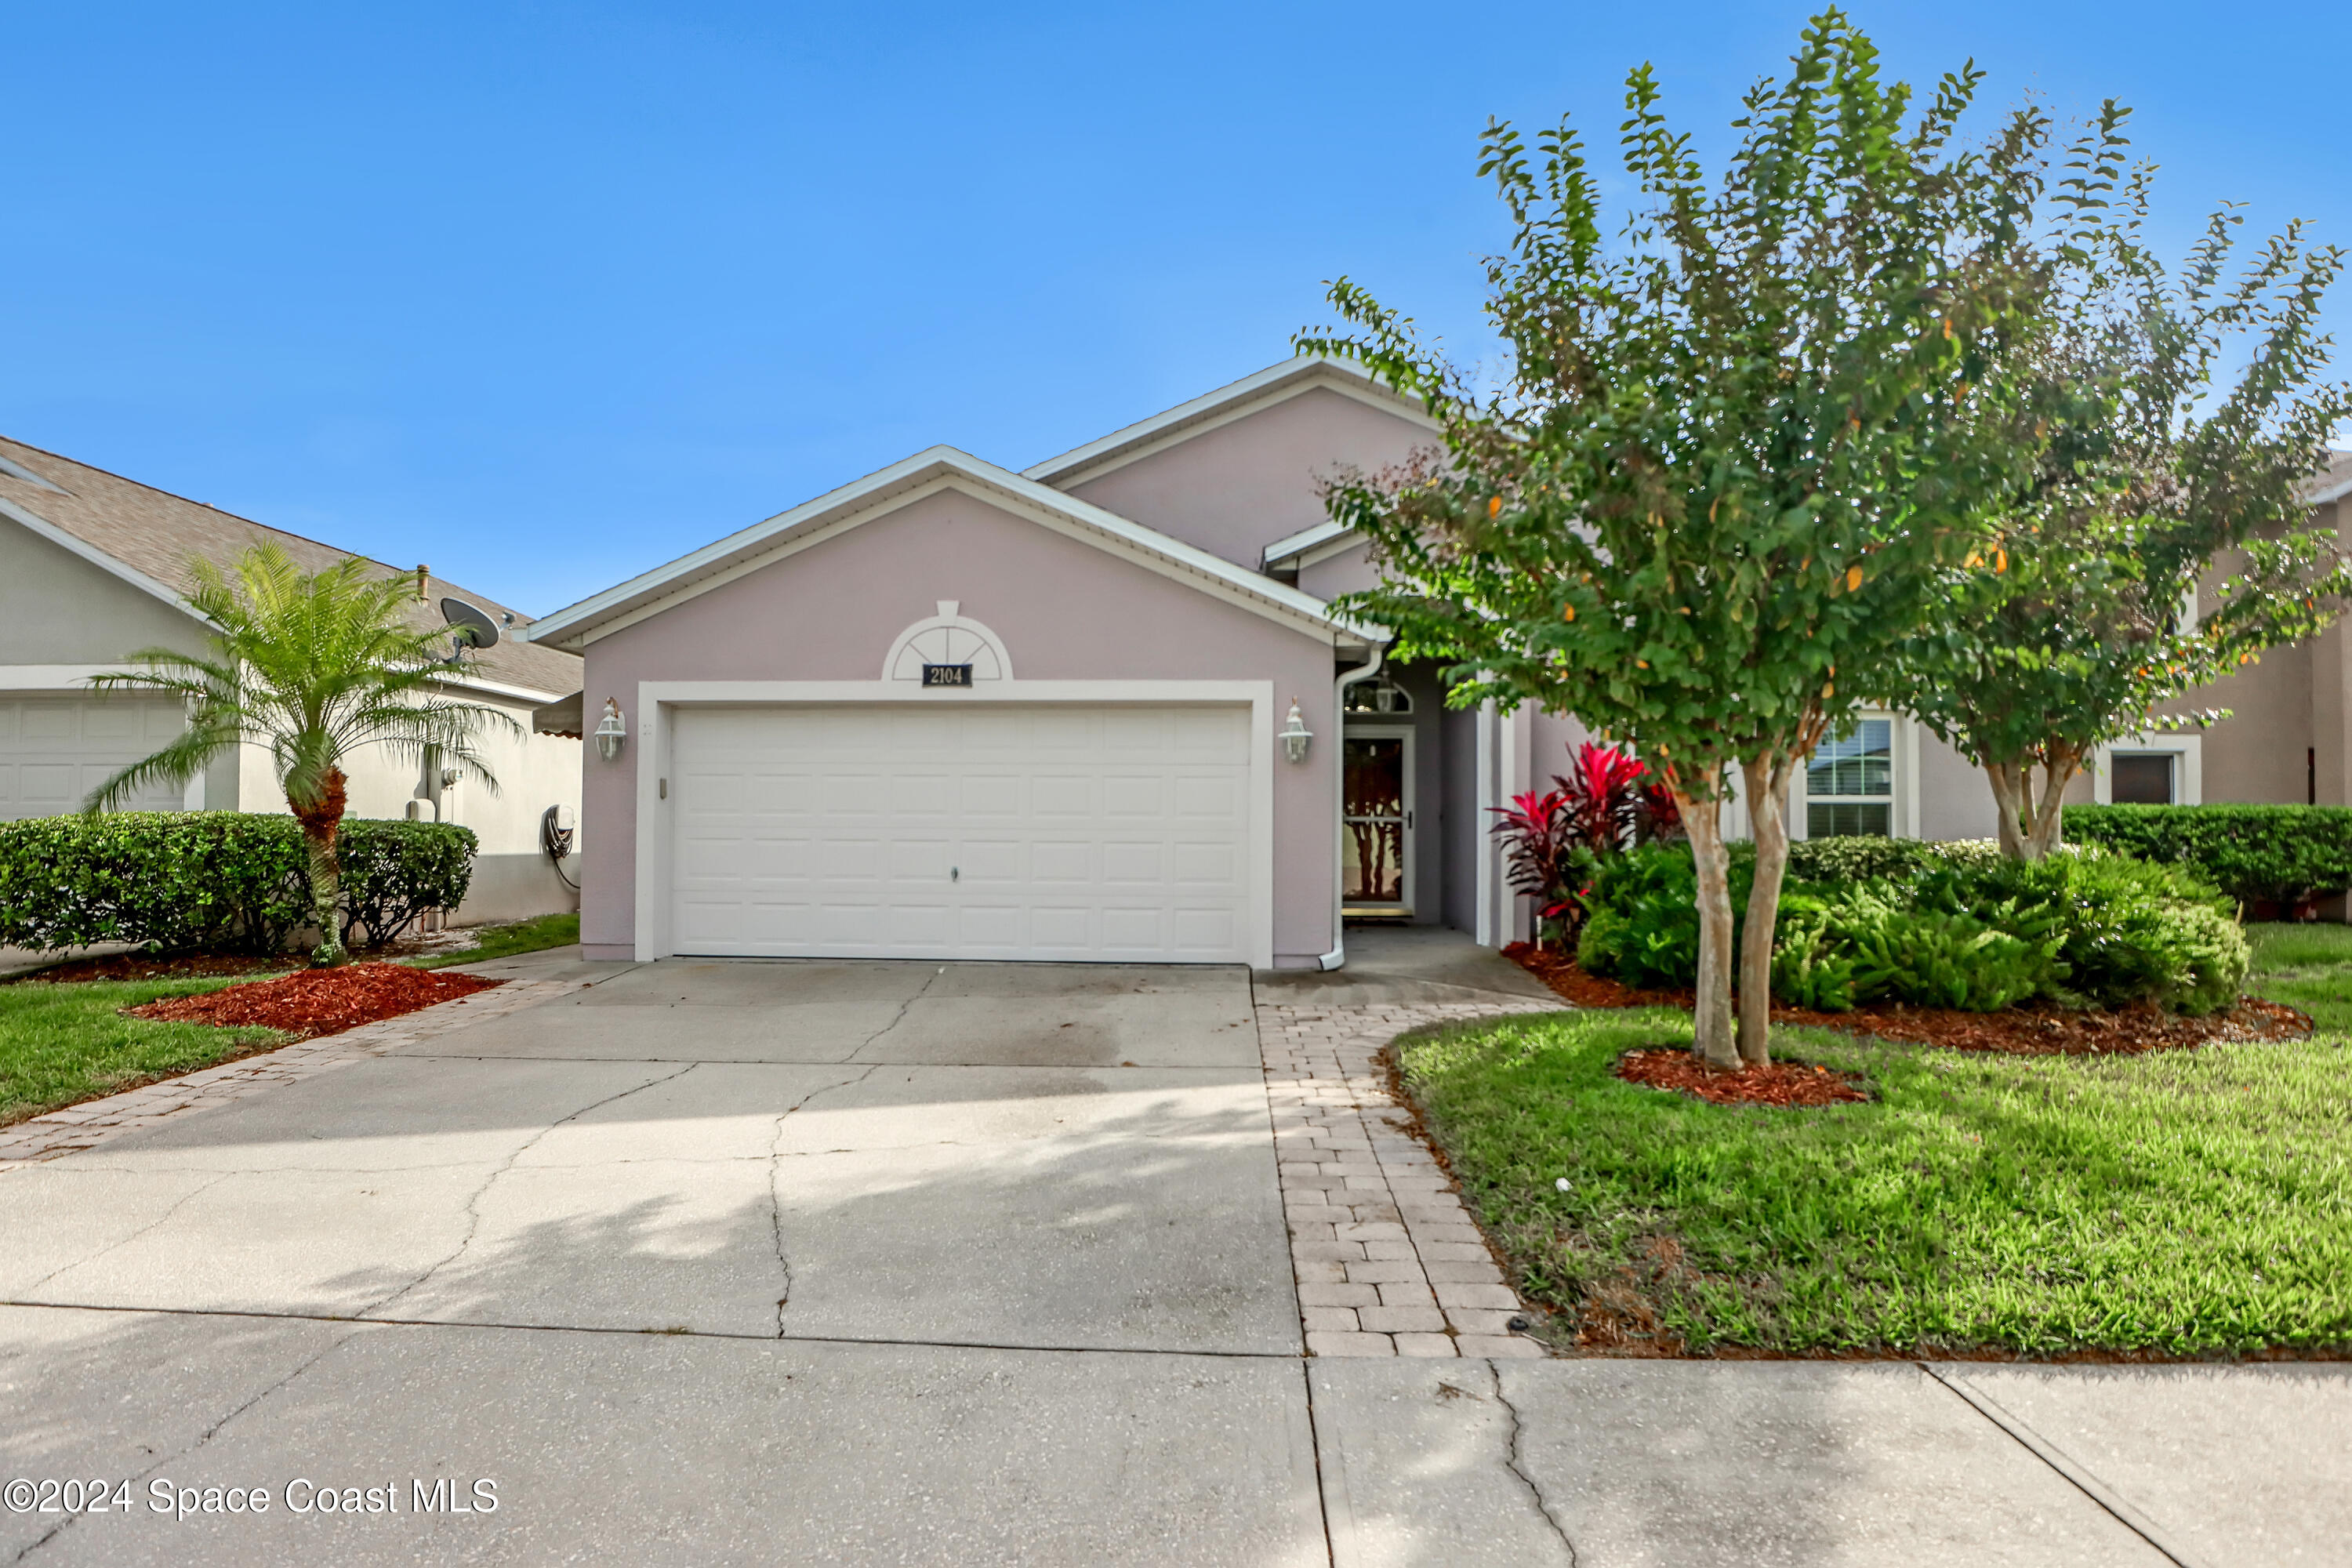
x,y
954,712
93,566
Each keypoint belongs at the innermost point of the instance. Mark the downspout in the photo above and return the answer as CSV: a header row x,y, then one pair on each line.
x,y
1339,953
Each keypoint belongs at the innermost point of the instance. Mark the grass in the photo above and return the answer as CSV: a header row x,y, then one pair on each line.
x,y
2305,966
506,941
60,1045
2180,1203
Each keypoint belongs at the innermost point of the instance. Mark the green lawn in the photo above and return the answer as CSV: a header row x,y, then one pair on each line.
x,y
60,1045
2182,1202
506,941
2307,966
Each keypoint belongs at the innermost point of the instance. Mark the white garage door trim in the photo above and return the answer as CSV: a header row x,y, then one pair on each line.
x,y
659,701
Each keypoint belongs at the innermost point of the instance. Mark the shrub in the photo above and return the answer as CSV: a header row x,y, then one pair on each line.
x,y
1951,927
182,880
394,871
2281,854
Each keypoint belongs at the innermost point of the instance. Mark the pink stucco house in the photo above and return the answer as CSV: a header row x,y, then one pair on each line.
x,y
953,710
1101,710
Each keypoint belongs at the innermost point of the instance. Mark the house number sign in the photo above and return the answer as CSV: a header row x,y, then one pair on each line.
x,y
947,675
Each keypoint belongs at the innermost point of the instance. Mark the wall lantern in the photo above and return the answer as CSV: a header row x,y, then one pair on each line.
x,y
611,732
1295,734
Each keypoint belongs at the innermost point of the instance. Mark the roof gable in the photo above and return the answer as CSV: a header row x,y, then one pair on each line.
x,y
1273,384
885,491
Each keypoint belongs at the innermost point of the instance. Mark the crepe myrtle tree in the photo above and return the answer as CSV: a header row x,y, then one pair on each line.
x,y
2188,419
1732,454
312,666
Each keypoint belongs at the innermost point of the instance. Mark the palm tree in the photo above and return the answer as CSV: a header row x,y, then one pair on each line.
x,y
313,665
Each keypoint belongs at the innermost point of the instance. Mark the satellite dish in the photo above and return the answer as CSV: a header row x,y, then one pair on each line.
x,y
469,628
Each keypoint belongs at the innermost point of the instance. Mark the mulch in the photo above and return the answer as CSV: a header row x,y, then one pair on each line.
x,y
1783,1083
2035,1029
318,1002
172,966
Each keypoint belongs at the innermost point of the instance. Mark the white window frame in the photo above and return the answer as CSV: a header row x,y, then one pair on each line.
x,y
2188,752
1903,781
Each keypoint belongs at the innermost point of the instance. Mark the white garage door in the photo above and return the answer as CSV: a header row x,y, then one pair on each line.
x,y
55,750
1060,832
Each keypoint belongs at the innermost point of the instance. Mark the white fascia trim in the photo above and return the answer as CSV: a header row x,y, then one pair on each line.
x,y
650,730
2335,491
1271,385
1292,546
77,545
899,485
50,677
529,694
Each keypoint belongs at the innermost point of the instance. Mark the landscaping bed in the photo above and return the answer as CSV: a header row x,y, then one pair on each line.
x,y
2032,1028
1781,1083
159,966
316,1002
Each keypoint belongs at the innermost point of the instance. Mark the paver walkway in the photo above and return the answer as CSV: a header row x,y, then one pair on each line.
x,y
1387,1259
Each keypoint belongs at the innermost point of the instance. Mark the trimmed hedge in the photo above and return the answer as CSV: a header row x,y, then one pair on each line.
x,y
210,879
1938,925
2274,854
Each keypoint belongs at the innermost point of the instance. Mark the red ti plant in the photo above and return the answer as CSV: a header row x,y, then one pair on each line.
x,y
1544,850
1604,796
1552,840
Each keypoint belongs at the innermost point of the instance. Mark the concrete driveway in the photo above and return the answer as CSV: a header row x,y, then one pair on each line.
x,y
905,1263
835,1262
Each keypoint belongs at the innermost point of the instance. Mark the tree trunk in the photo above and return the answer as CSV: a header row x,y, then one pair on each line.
x,y
2059,765
2034,823
321,820
2009,798
1711,1018
1769,777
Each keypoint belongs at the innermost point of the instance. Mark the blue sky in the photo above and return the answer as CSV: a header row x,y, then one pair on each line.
x,y
544,295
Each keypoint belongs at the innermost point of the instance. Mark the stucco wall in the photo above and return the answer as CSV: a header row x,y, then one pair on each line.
x,y
56,608
1235,489
1064,611
1955,797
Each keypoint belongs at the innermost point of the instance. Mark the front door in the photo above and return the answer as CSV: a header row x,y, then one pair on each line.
x,y
1376,813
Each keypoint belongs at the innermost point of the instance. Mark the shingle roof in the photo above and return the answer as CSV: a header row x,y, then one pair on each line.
x,y
157,535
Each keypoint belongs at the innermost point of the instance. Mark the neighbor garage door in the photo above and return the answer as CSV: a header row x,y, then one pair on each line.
x,y
1061,832
55,750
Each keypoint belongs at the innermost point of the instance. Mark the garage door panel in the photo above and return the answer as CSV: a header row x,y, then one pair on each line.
x,y
1063,861
1203,931
1062,794
1202,865
1208,797
997,794
1135,929
997,833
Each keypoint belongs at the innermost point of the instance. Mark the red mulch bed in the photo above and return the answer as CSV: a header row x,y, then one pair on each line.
x,y
1781,1083
2037,1029
316,1002
139,966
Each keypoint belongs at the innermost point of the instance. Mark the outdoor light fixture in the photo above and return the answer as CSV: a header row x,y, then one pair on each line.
x,y
1295,734
611,731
